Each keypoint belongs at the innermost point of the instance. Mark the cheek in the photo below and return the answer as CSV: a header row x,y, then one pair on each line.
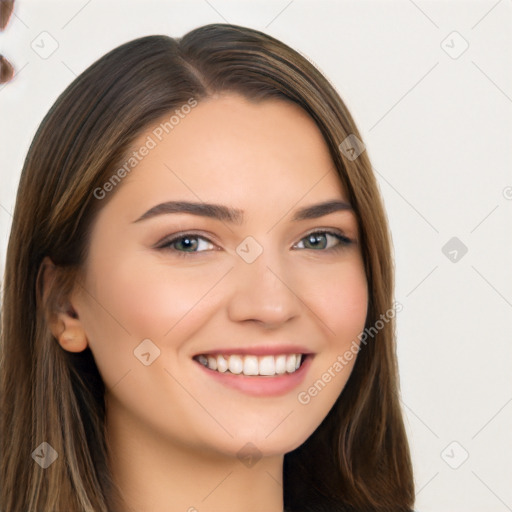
x,y
147,296
135,300
349,306
339,297
342,307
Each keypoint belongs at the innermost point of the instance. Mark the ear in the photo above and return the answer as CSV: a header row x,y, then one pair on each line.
x,y
54,287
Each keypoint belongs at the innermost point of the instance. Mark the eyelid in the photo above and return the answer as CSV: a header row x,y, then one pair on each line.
x,y
331,230
166,240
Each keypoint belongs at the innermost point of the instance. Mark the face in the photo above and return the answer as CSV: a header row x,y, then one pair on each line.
x,y
167,293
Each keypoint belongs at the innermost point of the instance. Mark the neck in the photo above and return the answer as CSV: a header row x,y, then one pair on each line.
x,y
157,474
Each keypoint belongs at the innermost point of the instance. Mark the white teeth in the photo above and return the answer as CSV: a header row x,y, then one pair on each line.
x,y
267,365
291,363
212,362
252,365
281,364
222,364
236,365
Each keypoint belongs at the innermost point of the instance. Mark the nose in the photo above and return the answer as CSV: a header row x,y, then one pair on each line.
x,y
263,292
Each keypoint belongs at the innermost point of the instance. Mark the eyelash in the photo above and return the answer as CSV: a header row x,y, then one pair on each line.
x,y
342,239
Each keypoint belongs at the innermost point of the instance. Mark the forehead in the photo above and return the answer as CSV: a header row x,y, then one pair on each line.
x,y
231,149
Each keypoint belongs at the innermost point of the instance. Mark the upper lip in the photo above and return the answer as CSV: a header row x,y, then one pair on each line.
x,y
261,350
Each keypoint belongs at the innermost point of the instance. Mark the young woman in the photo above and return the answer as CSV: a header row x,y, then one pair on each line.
x,y
198,301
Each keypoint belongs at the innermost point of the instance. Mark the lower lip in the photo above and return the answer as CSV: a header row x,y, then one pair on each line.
x,y
261,385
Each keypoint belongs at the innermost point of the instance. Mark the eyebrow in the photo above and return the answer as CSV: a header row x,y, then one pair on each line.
x,y
236,216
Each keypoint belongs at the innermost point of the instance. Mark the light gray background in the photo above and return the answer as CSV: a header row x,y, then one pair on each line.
x,y
437,126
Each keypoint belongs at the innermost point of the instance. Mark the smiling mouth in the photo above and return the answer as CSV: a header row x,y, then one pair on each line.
x,y
251,365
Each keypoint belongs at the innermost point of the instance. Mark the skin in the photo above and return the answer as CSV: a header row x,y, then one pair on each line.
x,y
174,432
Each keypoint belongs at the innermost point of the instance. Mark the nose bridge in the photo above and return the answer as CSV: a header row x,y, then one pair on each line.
x,y
263,290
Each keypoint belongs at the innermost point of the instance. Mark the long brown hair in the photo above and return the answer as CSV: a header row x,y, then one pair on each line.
x,y
357,459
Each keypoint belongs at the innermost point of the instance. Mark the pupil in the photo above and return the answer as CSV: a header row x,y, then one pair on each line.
x,y
314,239
188,243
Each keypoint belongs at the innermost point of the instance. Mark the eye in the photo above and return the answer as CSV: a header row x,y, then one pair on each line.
x,y
186,243
320,240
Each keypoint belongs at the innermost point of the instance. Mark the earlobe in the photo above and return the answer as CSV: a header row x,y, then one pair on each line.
x,y
73,339
63,321
68,331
